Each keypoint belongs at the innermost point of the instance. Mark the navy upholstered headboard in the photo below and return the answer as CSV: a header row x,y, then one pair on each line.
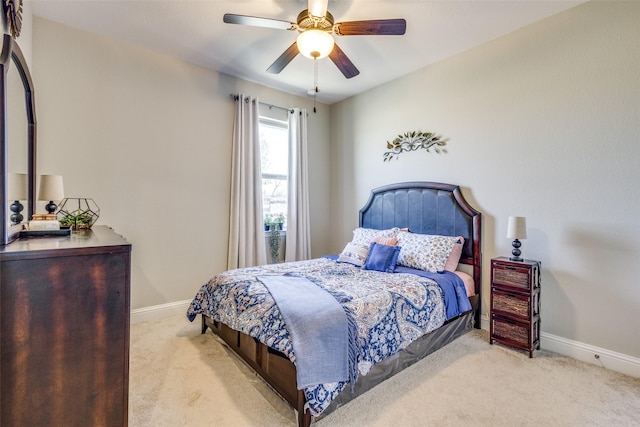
x,y
427,208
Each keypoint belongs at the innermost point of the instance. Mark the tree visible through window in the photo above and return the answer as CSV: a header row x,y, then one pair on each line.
x,y
274,152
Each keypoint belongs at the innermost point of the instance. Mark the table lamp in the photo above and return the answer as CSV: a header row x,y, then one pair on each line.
x,y
516,229
51,189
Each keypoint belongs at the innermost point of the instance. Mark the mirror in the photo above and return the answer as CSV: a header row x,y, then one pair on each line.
x,y
18,137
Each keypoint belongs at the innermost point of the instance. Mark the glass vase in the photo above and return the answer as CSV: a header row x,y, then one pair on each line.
x,y
77,213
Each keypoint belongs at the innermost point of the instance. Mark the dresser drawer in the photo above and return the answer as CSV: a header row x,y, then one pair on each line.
x,y
515,305
506,275
517,334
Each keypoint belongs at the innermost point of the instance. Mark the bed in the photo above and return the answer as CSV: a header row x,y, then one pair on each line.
x,y
431,305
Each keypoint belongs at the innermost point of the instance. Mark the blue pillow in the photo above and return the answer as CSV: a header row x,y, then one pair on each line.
x,y
382,258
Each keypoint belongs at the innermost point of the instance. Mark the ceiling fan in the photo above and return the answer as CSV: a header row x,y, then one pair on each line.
x,y
315,25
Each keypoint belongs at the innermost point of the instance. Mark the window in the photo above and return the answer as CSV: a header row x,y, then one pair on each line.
x,y
274,152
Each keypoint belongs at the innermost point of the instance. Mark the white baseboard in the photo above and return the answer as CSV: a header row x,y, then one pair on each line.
x,y
584,352
591,354
484,322
156,312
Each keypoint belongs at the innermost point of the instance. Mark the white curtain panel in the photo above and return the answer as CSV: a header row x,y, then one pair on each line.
x,y
298,245
246,228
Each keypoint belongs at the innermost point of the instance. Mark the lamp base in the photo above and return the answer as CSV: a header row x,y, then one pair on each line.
x,y
16,217
516,251
51,207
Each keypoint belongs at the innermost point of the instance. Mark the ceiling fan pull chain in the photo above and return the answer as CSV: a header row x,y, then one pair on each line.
x,y
315,82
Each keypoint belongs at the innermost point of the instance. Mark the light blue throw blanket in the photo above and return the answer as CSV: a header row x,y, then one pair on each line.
x,y
319,328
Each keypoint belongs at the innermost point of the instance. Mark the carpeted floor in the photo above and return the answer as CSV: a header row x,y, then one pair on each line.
x,y
179,377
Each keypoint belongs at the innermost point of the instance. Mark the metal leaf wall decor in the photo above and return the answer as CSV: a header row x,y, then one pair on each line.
x,y
412,141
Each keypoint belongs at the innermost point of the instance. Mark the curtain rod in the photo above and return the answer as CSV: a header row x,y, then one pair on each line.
x,y
271,106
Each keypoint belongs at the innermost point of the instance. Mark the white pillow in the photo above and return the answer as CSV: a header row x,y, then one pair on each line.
x,y
424,251
357,250
364,236
354,254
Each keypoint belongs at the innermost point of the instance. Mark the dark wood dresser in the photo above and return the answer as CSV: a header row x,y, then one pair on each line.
x,y
64,328
515,303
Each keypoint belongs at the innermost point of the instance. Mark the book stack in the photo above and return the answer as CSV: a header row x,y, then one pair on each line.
x,y
41,222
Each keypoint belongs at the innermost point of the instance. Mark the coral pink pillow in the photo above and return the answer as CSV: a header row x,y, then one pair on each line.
x,y
454,256
389,241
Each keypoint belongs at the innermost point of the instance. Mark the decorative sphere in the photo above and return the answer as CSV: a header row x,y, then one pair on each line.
x,y
16,208
16,218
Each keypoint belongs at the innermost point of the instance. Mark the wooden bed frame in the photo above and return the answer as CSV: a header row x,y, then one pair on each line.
x,y
423,207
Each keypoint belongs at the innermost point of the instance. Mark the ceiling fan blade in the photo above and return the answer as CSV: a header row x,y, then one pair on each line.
x,y
379,27
254,21
343,63
317,7
284,59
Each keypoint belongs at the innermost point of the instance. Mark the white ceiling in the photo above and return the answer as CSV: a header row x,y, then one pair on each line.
x,y
193,31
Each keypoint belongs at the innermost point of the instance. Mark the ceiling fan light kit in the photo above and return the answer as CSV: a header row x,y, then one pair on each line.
x,y
315,41
315,44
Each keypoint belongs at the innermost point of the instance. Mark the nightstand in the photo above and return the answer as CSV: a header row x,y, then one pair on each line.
x,y
515,303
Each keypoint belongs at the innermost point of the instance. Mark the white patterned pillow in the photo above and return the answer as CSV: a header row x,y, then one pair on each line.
x,y
354,254
364,236
424,251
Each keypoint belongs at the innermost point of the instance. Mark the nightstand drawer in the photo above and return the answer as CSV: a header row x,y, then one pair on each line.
x,y
516,305
517,334
518,277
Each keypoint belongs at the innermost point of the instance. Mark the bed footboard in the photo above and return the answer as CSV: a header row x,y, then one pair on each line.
x,y
274,367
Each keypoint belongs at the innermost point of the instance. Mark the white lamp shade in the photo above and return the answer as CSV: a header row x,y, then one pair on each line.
x,y
517,227
51,188
315,44
17,186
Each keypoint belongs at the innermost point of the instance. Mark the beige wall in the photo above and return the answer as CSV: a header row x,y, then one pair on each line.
x,y
149,139
543,123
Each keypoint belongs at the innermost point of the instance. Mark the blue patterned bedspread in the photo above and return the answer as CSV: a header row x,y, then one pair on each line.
x,y
391,310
